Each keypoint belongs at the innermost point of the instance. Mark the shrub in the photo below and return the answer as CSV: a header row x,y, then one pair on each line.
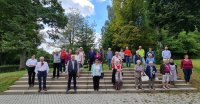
x,y
9,68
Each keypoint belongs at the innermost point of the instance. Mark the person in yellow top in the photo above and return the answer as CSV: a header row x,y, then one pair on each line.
x,y
142,54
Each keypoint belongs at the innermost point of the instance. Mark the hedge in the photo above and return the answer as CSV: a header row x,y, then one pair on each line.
x,y
9,68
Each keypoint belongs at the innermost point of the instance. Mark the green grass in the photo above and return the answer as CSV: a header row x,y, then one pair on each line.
x,y
8,79
195,78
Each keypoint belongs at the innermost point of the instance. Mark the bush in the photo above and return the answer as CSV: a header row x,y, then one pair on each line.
x,y
9,68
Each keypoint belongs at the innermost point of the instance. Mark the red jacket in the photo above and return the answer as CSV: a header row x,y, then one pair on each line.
x,y
63,55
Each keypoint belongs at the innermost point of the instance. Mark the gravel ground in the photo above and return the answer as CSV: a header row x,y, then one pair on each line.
x,y
143,98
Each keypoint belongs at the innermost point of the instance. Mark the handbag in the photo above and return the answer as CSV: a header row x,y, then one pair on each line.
x,y
145,78
102,75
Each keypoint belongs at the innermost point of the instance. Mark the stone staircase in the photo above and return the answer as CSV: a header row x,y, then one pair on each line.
x,y
85,85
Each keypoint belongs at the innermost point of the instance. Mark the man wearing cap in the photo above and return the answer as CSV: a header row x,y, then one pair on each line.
x,y
72,70
56,64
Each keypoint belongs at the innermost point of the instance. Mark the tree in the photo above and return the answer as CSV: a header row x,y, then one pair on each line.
x,y
21,21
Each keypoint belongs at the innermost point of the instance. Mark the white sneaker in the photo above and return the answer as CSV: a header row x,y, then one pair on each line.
x,y
63,72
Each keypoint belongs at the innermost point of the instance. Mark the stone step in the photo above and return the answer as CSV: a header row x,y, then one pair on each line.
x,y
101,91
102,86
83,78
89,75
57,82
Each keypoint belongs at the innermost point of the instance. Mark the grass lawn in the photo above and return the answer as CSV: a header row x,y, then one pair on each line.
x,y
195,78
8,79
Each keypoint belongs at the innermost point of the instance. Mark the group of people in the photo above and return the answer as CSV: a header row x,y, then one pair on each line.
x,y
65,62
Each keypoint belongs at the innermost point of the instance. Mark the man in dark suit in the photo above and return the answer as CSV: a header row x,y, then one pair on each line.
x,y
91,56
72,70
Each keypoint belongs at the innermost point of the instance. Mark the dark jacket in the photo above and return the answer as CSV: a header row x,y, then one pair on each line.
x,y
148,72
162,69
91,55
70,67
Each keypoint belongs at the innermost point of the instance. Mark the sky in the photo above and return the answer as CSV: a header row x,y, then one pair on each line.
x,y
96,10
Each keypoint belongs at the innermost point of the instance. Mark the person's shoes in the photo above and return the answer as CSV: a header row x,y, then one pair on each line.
x,y
137,88
32,85
164,87
45,89
67,91
29,86
75,91
58,77
39,90
53,78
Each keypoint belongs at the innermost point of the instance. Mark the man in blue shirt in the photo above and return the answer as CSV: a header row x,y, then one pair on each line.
x,y
91,56
109,56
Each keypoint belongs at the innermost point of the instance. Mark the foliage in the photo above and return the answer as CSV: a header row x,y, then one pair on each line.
x,y
9,68
128,26
78,32
21,21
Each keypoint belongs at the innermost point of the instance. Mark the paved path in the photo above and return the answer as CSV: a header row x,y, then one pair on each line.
x,y
143,98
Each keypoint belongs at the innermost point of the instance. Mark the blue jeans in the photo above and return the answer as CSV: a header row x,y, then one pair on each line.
x,y
128,61
109,63
143,60
187,74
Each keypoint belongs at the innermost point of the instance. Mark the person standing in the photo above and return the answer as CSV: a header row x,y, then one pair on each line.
x,y
91,56
151,73
72,70
42,69
121,53
118,75
96,74
150,58
56,64
69,55
102,54
82,56
63,55
139,70
165,71
174,72
78,58
141,53
31,63
115,59
166,54
109,57
186,65
136,57
98,56
127,54
151,52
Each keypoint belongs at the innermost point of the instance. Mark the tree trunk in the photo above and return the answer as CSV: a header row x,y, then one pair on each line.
x,y
22,64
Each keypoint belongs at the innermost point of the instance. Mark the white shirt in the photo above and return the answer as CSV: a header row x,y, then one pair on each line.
x,y
77,58
44,67
31,62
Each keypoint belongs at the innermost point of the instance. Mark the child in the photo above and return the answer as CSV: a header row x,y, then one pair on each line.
x,y
173,71
139,69
165,71
151,73
118,76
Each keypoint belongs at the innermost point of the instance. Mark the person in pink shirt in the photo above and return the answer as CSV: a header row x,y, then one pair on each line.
x,y
165,71
186,65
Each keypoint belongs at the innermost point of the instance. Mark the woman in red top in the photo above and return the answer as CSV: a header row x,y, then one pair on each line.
x,y
127,54
186,65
